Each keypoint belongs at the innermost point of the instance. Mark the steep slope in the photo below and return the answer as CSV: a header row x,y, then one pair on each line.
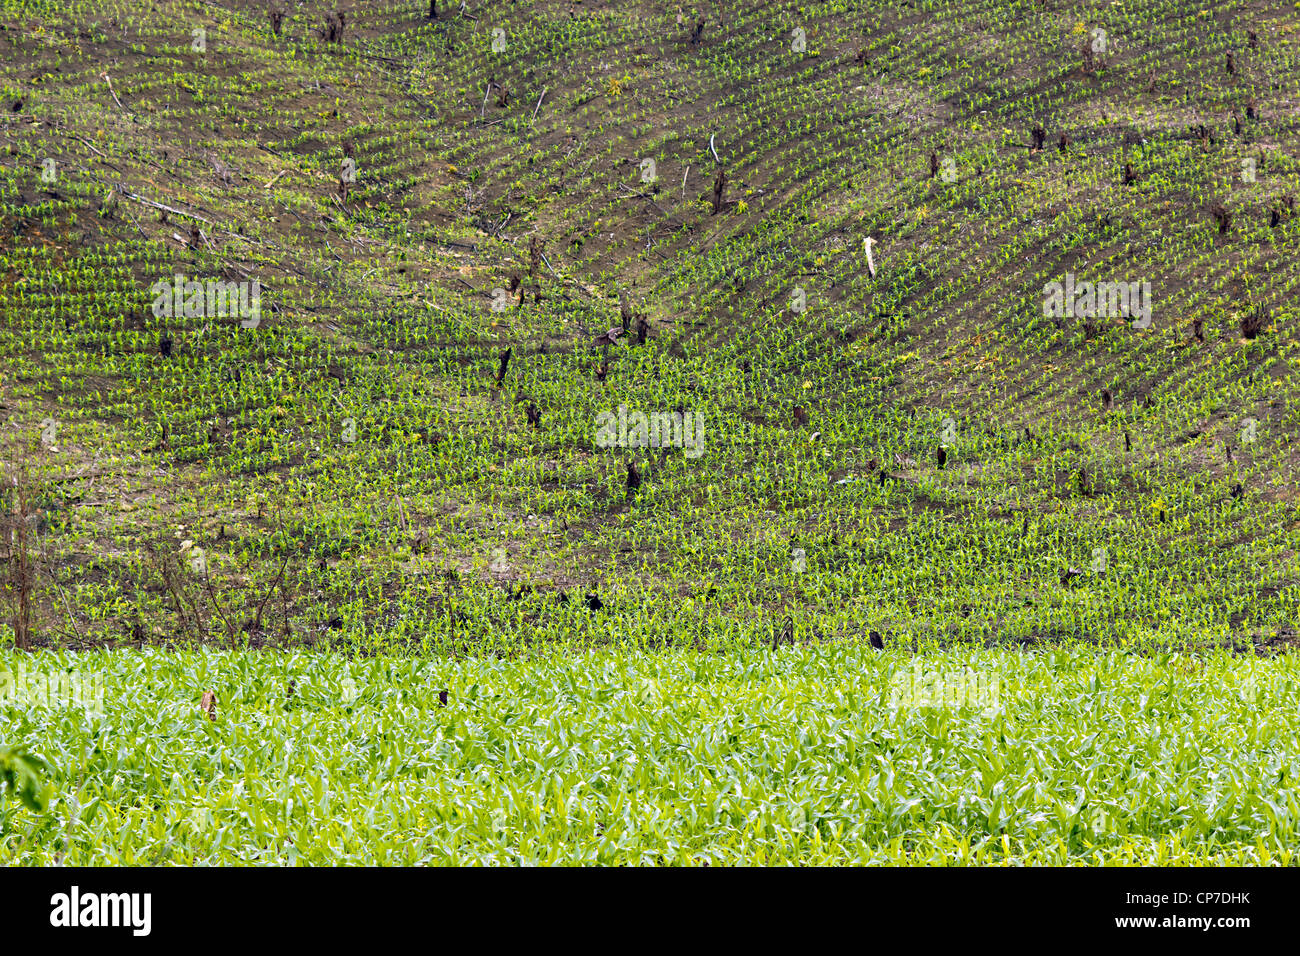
x,y
352,469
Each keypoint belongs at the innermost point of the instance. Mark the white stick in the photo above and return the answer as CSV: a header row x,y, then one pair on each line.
x,y
110,90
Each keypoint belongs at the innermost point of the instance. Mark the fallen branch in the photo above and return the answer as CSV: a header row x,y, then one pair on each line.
x,y
140,199
61,478
110,90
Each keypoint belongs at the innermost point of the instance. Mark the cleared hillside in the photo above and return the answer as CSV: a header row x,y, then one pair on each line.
x,y
357,469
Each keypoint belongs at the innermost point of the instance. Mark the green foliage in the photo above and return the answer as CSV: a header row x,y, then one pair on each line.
x,y
20,775
733,755
361,484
